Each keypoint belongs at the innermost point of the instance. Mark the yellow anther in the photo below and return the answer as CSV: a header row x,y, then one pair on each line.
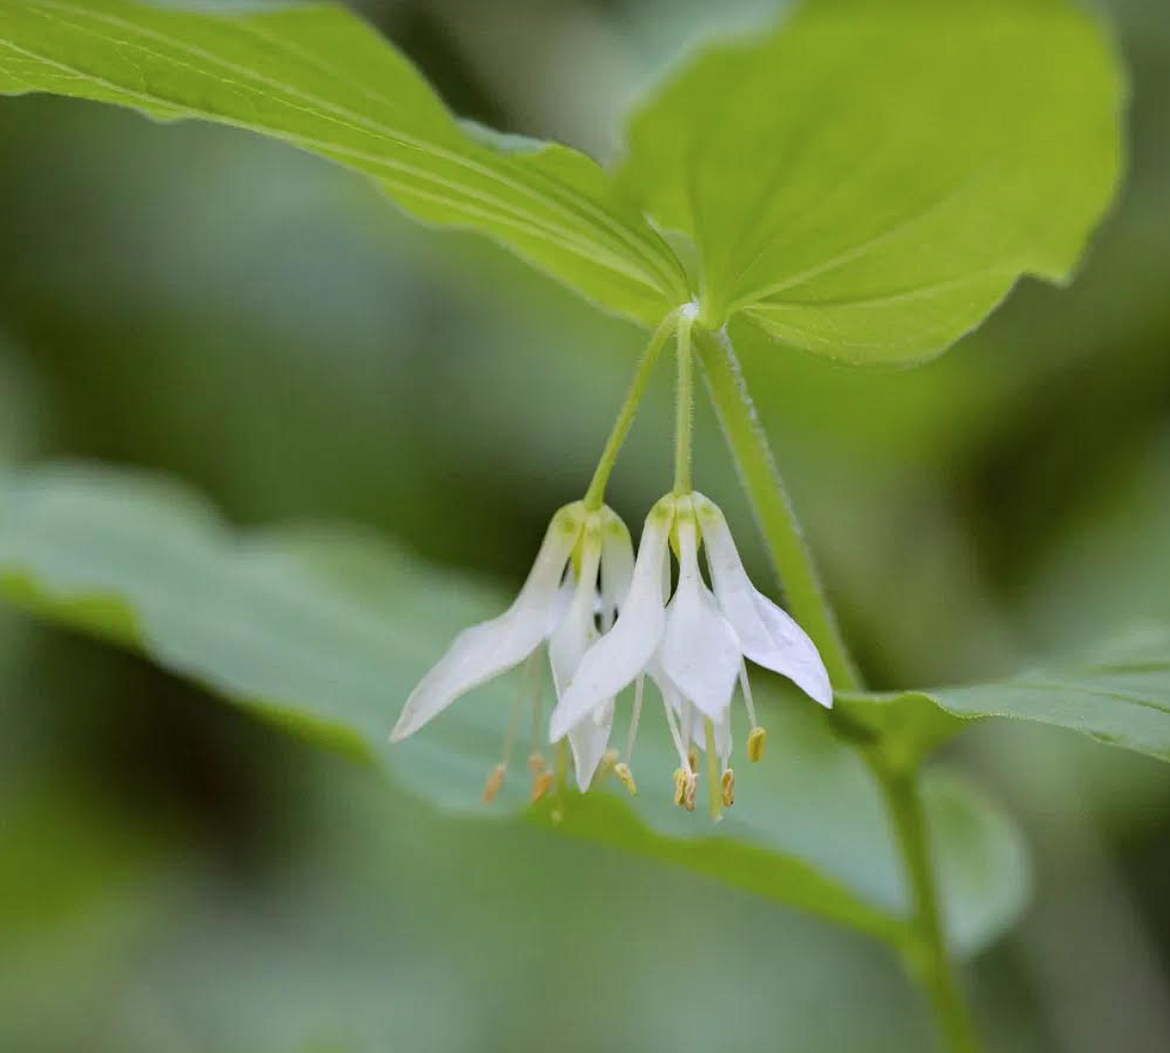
x,y
757,740
728,784
693,759
686,786
609,762
622,771
536,762
541,784
495,780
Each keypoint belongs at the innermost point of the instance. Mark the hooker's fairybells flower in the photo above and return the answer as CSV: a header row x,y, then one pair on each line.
x,y
558,606
693,646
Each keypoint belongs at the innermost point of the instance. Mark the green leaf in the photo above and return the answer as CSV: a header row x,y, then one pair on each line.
x,y
1119,695
319,78
868,181
327,631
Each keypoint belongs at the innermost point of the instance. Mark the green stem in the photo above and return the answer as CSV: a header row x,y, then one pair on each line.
x,y
927,957
685,406
596,492
774,513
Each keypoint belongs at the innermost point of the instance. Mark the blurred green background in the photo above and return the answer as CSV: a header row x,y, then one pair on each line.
x,y
175,876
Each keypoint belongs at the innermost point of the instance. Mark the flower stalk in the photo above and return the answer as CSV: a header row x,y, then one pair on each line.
x,y
685,405
774,513
595,495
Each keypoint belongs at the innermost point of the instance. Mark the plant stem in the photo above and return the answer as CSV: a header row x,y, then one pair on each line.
x,y
596,492
774,513
926,956
684,407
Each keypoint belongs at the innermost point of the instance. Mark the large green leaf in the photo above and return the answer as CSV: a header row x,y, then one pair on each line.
x,y
327,632
868,181
319,78
1120,694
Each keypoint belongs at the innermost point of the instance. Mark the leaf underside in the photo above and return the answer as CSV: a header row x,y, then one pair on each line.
x,y
320,79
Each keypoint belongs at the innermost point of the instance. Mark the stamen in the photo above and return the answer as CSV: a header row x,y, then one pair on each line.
x,y
728,787
495,777
514,718
541,784
622,771
675,736
609,762
635,717
746,687
757,737
686,786
686,719
715,797
562,768
537,738
495,780
536,762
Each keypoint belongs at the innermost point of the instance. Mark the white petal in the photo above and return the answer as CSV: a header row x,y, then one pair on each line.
x,y
700,652
571,639
622,653
588,741
698,733
795,655
672,703
768,636
617,566
560,606
483,651
589,738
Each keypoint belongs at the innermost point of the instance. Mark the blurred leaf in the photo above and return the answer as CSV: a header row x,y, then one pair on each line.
x,y
1120,695
320,79
869,181
80,890
1111,563
982,858
326,632
21,405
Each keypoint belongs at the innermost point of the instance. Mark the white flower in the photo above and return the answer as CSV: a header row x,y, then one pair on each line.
x,y
694,646
551,606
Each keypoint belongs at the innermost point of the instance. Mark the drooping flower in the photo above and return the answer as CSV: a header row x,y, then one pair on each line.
x,y
692,644
560,603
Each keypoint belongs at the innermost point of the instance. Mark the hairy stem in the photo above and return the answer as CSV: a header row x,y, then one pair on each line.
x,y
596,492
926,956
774,513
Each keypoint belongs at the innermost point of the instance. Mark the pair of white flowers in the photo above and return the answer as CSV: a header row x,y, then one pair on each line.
x,y
609,621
